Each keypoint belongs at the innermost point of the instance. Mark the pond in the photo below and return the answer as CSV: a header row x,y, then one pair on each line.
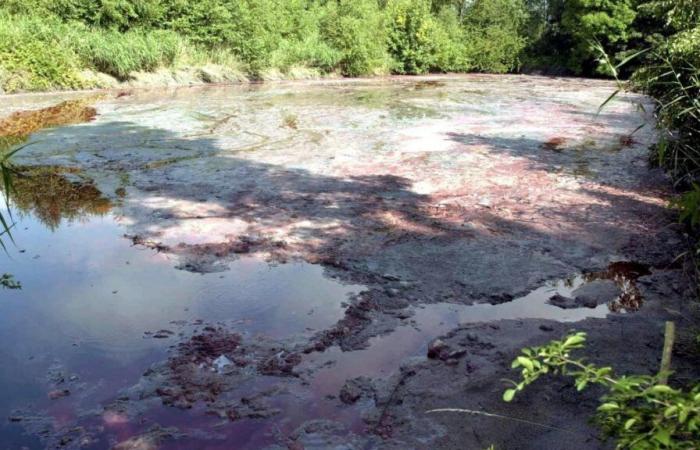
x,y
210,267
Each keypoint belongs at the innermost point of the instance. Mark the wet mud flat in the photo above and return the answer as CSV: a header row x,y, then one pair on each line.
x,y
317,264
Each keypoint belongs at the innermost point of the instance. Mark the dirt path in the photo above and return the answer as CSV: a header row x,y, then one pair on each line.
x,y
460,190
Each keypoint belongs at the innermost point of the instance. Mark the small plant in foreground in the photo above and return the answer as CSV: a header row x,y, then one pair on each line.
x,y
640,412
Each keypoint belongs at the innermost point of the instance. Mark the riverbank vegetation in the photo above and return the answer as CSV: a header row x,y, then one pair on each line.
x,y
70,44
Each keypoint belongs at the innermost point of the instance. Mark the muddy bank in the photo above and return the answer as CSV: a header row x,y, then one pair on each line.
x,y
489,212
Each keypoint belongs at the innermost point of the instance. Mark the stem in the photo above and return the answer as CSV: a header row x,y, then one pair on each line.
x,y
586,369
669,337
499,416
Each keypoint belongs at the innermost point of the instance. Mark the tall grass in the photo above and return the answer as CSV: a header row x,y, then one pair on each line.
x,y
44,53
120,54
33,55
675,85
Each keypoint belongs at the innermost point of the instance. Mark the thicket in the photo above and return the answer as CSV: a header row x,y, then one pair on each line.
x,y
670,73
48,44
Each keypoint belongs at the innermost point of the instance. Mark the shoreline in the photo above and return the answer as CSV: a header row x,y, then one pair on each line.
x,y
141,85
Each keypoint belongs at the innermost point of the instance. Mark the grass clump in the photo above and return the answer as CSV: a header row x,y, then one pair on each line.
x,y
121,54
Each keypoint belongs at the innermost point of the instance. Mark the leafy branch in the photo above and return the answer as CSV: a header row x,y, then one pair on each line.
x,y
638,411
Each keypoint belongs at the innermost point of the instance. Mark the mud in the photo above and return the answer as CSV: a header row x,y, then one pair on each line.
x,y
478,215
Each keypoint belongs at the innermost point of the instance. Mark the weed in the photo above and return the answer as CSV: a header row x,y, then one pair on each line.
x,y
290,120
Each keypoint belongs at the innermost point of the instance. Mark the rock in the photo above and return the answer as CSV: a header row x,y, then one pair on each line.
x,y
596,293
58,393
221,362
456,354
589,295
280,364
562,302
485,202
150,440
436,349
546,328
350,392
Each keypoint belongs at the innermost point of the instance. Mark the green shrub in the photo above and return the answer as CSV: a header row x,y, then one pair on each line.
x,y
32,56
353,37
113,14
494,34
310,52
451,43
207,23
354,28
414,36
588,21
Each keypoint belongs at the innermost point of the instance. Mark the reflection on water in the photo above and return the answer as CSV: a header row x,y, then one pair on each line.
x,y
624,274
52,194
92,303
385,353
88,296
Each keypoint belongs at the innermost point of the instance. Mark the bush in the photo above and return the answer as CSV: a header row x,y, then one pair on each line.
x,y
354,28
353,37
638,411
32,56
113,14
451,42
310,52
414,36
494,34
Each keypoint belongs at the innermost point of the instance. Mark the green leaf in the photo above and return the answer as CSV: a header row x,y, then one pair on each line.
x,y
610,406
630,423
508,395
608,100
576,339
663,436
525,362
670,411
630,58
661,389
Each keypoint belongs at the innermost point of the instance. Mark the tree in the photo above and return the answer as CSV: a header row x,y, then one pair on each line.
x,y
587,21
